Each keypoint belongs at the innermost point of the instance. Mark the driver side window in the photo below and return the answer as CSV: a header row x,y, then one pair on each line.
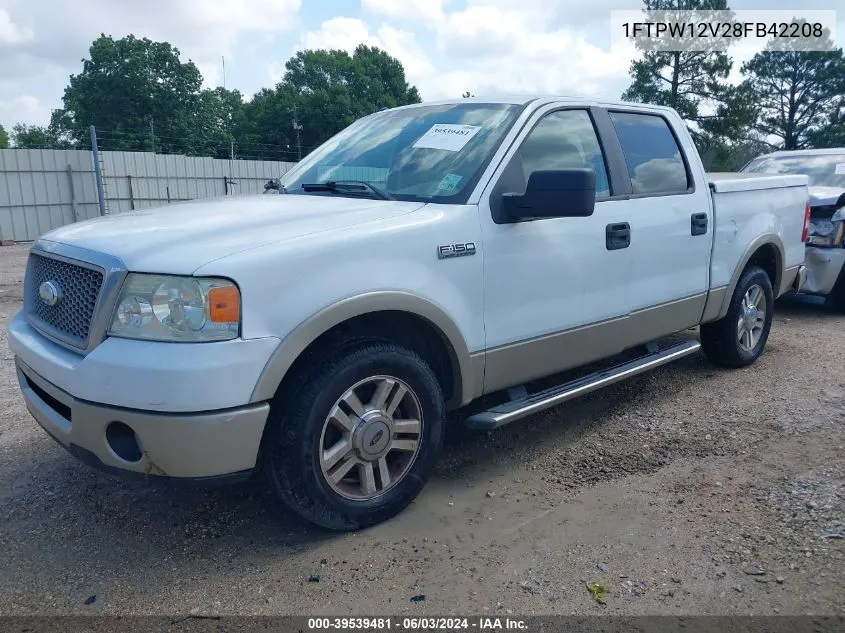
x,y
565,139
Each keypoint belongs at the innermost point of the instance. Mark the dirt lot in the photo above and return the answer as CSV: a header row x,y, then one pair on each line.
x,y
691,490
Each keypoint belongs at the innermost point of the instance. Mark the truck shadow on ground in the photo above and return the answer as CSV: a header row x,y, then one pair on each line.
x,y
808,305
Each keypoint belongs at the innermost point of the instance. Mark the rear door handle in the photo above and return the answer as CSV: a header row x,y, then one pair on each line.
x,y
698,224
618,236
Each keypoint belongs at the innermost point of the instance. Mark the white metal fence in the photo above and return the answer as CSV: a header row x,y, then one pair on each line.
x,y
43,189
139,180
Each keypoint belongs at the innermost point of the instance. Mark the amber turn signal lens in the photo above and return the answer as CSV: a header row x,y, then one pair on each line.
x,y
224,304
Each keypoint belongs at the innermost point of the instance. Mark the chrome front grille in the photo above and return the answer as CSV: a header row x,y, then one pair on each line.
x,y
79,286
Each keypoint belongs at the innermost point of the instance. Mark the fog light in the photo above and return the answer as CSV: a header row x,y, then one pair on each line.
x,y
123,441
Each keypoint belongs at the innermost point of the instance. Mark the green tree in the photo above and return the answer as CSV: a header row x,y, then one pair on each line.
x,y
136,92
378,81
799,93
832,133
329,89
37,137
264,128
219,110
4,138
719,154
693,82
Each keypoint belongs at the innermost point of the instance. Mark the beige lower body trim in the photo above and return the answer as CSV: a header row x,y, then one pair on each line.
x,y
517,363
713,307
651,323
477,362
172,444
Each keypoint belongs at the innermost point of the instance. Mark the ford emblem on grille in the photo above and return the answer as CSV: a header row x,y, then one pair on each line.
x,y
50,293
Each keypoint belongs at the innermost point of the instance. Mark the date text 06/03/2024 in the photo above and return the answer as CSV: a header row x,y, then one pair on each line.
x,y
417,624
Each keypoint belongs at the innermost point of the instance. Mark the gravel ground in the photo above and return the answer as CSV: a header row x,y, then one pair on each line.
x,y
690,490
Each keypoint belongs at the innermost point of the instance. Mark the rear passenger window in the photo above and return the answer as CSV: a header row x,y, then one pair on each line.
x,y
654,159
564,139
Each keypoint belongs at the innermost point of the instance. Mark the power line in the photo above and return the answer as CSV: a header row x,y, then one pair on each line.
x,y
110,134
213,147
225,141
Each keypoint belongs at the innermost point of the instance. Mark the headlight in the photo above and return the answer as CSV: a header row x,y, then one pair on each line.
x,y
826,233
181,309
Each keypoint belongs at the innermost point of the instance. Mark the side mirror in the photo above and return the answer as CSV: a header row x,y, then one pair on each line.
x,y
560,193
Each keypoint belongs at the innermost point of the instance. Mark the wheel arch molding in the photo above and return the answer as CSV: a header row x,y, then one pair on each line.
x,y
378,305
767,251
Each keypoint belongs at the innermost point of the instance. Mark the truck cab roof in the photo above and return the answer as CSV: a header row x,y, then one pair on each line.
x,y
539,100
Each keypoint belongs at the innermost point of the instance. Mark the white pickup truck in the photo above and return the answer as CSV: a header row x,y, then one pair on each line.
x,y
421,258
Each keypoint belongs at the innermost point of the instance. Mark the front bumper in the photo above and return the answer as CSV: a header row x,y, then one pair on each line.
x,y
179,445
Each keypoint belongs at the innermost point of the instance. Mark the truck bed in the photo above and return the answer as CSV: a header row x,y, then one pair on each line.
x,y
746,206
728,182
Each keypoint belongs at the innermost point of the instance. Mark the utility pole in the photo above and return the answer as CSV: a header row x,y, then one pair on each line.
x,y
297,128
231,140
152,136
231,182
98,172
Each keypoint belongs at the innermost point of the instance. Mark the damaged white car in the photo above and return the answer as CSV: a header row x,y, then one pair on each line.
x,y
825,256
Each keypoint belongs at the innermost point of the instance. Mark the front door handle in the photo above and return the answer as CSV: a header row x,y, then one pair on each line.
x,y
698,224
617,235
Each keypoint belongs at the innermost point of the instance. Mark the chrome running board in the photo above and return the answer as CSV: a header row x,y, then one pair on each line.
x,y
536,402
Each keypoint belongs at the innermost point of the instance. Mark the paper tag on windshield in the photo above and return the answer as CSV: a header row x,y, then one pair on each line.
x,y
840,169
447,136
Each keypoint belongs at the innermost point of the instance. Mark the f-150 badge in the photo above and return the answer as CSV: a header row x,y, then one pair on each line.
x,y
446,251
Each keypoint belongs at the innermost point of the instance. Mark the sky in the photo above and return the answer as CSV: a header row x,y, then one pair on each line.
x,y
489,47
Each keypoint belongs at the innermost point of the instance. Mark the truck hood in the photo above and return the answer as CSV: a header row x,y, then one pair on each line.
x,y
824,196
181,238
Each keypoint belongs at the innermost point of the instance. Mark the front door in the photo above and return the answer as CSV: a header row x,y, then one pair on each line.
x,y
556,291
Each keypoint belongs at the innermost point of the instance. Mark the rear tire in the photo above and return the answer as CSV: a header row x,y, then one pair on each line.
x,y
352,439
738,339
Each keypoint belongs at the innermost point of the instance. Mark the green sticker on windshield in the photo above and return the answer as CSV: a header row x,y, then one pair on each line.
x,y
450,183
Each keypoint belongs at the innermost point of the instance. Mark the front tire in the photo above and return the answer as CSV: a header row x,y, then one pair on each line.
x,y
738,339
351,440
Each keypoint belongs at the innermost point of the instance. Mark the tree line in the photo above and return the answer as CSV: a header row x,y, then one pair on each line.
x,y
141,96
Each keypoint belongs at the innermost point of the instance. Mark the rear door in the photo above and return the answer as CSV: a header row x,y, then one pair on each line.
x,y
671,226
555,294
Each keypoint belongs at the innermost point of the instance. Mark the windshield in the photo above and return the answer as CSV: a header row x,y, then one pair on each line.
x,y
824,170
428,153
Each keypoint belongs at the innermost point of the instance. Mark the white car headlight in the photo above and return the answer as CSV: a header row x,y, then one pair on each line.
x,y
177,309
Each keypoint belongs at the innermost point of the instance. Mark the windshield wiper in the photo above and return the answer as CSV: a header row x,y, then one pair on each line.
x,y
349,186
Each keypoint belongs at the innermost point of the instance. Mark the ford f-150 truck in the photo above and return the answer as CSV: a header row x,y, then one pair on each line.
x,y
420,259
